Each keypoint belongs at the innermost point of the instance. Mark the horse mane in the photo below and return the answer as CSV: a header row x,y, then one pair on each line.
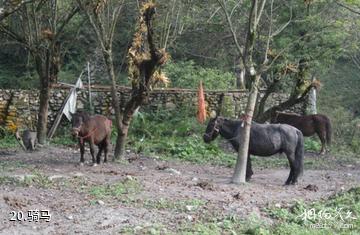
x,y
85,116
290,114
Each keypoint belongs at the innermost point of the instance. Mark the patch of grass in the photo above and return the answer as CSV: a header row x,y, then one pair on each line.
x,y
7,180
178,205
40,180
36,179
231,224
154,229
277,161
11,165
312,144
117,190
7,139
331,215
64,139
341,209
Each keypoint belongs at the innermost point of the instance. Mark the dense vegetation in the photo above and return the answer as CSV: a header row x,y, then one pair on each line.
x,y
311,39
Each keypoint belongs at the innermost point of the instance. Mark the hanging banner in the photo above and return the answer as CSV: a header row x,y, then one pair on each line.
x,y
70,106
201,113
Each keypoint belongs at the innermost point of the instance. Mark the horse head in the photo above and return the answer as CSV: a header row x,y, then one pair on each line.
x,y
213,129
77,122
274,117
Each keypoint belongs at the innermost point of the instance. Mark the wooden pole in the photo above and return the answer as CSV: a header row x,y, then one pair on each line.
x,y
89,88
60,114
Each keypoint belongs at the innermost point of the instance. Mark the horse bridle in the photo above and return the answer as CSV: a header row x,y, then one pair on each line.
x,y
216,128
275,119
82,138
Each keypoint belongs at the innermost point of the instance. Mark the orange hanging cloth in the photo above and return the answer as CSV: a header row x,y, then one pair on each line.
x,y
201,113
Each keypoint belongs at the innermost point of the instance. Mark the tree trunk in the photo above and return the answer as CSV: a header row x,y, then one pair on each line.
x,y
240,74
120,142
312,100
43,110
261,108
244,136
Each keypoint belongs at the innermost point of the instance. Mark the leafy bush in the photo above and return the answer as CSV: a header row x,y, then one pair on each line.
x,y
310,144
7,139
175,134
186,74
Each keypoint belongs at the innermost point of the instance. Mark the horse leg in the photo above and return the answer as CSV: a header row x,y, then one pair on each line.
x,y
92,151
82,151
99,153
291,160
249,171
321,135
106,148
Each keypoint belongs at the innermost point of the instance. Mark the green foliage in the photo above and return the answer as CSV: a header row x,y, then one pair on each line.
x,y
175,134
339,100
66,140
7,139
12,78
310,144
186,74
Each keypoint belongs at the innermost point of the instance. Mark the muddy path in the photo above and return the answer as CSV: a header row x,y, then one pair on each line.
x,y
142,192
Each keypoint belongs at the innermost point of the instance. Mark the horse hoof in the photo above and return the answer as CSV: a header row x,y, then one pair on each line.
x,y
95,164
81,164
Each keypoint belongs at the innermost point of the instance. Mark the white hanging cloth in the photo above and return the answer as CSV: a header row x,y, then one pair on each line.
x,y
70,106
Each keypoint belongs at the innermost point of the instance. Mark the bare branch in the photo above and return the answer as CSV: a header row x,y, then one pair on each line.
x,y
279,30
5,12
14,35
213,14
356,11
258,13
222,4
114,20
66,20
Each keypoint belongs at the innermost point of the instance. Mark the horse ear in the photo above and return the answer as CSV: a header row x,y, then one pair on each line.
x,y
213,114
17,134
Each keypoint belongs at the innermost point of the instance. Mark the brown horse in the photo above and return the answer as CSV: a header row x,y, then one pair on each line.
x,y
308,125
96,130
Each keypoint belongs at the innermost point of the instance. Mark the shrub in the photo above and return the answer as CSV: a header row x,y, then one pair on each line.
x,y
186,74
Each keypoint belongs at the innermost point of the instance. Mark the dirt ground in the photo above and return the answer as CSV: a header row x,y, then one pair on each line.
x,y
169,194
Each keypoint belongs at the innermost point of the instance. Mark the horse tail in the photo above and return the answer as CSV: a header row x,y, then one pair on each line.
x,y
299,153
328,131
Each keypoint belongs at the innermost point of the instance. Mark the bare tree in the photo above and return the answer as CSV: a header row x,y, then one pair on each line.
x,y
144,61
40,33
103,17
143,64
253,68
8,7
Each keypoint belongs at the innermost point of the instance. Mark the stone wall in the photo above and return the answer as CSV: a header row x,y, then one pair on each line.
x,y
18,108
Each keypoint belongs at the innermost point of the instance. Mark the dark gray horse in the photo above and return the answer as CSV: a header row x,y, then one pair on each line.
x,y
265,140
